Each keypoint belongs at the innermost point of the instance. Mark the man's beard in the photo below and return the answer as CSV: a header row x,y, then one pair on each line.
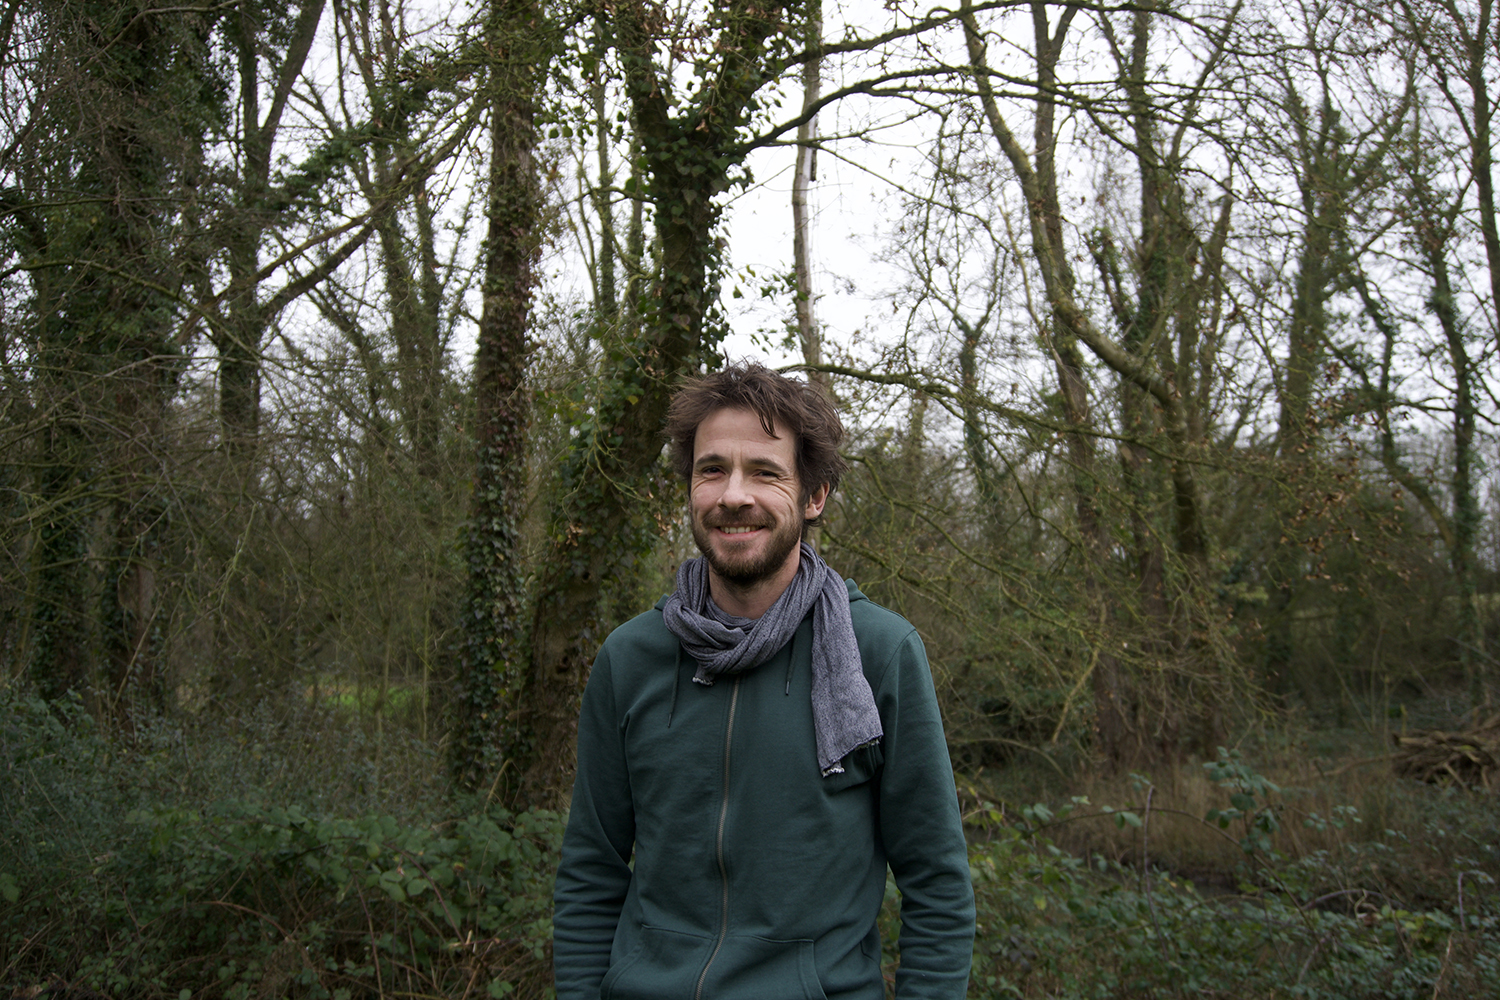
x,y
749,569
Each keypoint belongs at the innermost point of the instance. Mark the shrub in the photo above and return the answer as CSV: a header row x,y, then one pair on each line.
x,y
1052,924
109,883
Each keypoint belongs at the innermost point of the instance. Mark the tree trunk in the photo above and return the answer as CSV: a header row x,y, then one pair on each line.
x,y
975,445
614,497
802,177
1434,234
118,360
493,626
60,635
238,339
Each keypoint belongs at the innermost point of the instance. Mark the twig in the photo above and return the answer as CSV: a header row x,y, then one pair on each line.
x,y
1146,871
254,913
1314,953
1437,986
1359,763
1478,874
1068,701
374,949
1344,892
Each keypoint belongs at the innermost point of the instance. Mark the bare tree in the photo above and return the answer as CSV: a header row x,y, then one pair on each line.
x,y
803,176
1165,293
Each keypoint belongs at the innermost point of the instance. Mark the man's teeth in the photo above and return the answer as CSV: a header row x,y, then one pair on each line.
x,y
738,531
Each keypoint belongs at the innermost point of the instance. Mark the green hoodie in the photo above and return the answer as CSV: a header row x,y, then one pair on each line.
x,y
753,877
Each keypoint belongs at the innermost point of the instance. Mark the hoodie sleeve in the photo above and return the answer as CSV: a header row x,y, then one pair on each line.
x,y
923,833
594,872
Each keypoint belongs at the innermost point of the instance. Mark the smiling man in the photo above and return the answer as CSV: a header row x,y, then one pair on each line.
x,y
758,748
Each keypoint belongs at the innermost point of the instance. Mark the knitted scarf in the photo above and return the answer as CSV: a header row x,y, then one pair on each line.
x,y
844,713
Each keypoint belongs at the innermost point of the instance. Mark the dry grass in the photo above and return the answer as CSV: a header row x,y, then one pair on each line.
x,y
1350,818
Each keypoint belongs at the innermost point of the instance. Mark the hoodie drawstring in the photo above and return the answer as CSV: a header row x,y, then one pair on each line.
x,y
676,681
791,661
791,665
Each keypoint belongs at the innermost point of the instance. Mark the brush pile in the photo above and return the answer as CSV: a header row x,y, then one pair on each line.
x,y
1469,757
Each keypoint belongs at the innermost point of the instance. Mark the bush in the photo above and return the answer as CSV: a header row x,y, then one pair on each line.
x,y
110,885
1056,925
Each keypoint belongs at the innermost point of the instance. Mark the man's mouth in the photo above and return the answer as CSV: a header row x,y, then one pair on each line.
x,y
738,529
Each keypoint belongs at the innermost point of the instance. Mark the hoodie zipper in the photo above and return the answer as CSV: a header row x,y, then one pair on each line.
x,y
734,700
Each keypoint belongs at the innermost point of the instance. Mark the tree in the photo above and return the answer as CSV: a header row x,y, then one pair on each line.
x,y
803,175
99,177
1327,117
611,487
1433,232
492,656
256,32
1459,56
1039,187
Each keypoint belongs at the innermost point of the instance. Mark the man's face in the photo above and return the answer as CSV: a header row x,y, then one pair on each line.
x,y
747,506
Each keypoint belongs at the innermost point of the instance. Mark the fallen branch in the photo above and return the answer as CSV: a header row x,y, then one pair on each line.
x,y
1469,758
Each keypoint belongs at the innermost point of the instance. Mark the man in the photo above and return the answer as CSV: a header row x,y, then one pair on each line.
x,y
764,742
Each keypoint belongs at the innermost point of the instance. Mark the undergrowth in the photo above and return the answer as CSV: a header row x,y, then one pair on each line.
x,y
1328,923
293,853
258,859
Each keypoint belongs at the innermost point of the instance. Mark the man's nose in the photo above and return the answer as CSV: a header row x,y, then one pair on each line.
x,y
735,492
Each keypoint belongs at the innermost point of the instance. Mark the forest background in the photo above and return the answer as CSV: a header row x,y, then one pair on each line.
x,y
336,339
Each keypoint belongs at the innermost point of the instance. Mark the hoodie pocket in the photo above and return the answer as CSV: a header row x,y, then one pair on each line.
x,y
755,968
668,965
664,964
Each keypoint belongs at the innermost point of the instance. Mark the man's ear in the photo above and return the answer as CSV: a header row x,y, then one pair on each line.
x,y
815,501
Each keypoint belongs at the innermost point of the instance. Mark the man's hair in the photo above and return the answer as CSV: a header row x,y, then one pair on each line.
x,y
802,409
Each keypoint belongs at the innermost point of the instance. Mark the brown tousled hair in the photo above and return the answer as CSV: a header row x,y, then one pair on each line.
x,y
802,409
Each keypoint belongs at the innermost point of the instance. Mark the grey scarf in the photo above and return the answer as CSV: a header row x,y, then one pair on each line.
x,y
844,713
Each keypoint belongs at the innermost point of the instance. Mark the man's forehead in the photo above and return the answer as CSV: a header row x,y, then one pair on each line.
x,y
738,426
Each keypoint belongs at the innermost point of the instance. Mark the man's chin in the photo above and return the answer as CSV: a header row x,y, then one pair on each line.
x,y
740,572
744,570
